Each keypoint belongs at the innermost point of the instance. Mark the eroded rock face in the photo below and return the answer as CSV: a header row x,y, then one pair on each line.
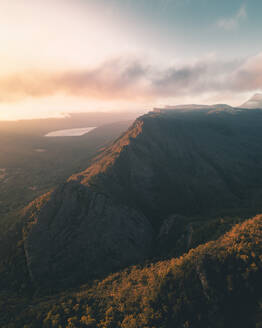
x,y
81,233
189,163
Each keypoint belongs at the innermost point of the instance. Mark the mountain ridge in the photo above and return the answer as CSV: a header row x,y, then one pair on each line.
x,y
171,163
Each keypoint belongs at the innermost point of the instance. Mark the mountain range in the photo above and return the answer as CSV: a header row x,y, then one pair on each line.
x,y
177,182
171,163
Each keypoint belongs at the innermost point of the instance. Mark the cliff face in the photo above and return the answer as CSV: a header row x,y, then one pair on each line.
x,y
81,233
173,162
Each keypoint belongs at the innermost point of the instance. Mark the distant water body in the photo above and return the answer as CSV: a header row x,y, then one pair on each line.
x,y
70,132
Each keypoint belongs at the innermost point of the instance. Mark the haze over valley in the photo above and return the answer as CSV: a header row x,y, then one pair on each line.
x,y
130,164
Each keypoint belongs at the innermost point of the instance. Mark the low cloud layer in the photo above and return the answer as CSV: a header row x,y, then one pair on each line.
x,y
133,80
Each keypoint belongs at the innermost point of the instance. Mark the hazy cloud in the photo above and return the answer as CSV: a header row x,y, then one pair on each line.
x,y
232,23
134,80
248,77
113,79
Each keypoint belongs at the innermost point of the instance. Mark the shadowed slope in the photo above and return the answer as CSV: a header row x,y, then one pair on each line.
x,y
200,162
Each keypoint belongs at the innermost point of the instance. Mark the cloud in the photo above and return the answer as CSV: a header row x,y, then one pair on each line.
x,y
134,80
113,79
232,23
248,77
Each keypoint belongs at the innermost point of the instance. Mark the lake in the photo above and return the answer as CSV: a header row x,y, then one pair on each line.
x,y
70,132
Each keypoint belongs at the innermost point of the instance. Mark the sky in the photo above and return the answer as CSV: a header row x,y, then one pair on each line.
x,y
113,55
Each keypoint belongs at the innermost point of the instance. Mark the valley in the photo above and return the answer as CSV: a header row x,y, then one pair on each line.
x,y
140,231
70,132
31,164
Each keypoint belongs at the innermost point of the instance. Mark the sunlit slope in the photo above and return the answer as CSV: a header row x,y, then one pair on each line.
x,y
217,284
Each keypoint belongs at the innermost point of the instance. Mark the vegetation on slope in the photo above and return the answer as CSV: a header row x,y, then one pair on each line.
x,y
217,284
179,170
192,163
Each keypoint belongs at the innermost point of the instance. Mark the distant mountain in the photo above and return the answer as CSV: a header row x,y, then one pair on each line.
x,y
168,164
253,102
40,127
194,107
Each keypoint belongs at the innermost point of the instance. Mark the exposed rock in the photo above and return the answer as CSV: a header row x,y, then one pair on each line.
x,y
185,162
83,233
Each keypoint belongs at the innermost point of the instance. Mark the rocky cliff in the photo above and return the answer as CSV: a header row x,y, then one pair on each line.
x,y
171,162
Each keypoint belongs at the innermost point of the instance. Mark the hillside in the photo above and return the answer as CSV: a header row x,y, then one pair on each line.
x,y
217,284
171,195
195,164
31,164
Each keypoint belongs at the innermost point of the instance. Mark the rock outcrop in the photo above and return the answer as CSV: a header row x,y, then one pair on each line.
x,y
81,233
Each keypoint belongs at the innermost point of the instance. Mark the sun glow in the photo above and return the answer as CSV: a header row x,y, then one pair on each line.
x,y
84,55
